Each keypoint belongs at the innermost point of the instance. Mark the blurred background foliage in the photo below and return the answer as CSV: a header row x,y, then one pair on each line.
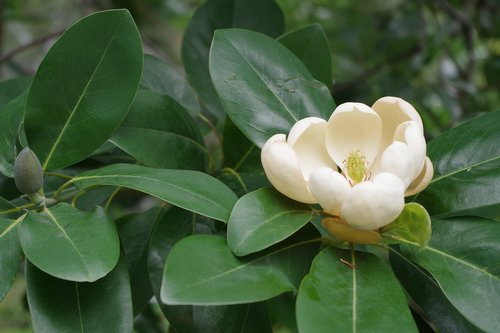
x,y
443,56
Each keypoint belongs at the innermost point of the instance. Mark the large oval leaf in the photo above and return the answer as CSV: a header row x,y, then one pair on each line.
x,y
466,163
191,190
263,218
202,270
12,88
66,306
10,254
83,88
263,86
335,297
11,118
70,244
219,14
463,257
310,45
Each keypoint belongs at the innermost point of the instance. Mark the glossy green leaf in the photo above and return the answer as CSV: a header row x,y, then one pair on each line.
x,y
70,244
263,86
202,270
162,78
83,88
10,255
461,257
164,150
466,163
12,88
66,306
191,190
337,298
11,119
310,45
430,301
263,218
219,14
5,206
413,224
151,110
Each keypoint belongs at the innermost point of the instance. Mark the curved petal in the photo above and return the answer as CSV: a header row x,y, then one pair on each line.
x,y
329,188
409,133
307,138
282,168
394,111
372,204
353,127
422,180
398,159
346,233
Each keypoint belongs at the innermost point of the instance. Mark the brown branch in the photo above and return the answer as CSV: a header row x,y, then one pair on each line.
x,y
9,55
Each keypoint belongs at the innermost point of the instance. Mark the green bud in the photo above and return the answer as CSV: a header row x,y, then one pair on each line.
x,y
28,173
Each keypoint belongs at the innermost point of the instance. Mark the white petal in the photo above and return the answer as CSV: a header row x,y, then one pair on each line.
x,y
282,168
307,138
398,159
353,126
394,111
422,180
329,188
409,133
372,204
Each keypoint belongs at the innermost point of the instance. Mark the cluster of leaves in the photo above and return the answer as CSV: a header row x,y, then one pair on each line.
x,y
154,193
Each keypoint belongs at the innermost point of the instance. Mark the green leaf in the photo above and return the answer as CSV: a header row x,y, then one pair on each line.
x,y
11,119
337,298
12,88
66,306
10,255
164,79
5,205
70,244
263,218
431,303
219,14
310,45
466,163
246,64
202,270
164,150
191,190
413,225
83,88
461,256
151,110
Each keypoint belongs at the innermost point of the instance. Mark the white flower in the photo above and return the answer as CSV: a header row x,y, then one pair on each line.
x,y
359,165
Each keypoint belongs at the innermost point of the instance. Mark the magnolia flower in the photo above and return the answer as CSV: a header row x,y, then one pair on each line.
x,y
358,166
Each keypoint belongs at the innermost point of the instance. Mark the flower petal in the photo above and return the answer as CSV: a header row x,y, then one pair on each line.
x,y
410,133
282,168
329,188
307,138
398,159
352,127
394,111
372,204
422,180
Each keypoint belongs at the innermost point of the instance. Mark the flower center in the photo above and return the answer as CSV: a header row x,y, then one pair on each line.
x,y
355,167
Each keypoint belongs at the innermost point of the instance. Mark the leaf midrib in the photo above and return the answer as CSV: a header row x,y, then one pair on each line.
x,y
465,168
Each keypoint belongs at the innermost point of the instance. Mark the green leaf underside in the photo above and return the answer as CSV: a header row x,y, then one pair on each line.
x,y
11,118
337,298
460,257
310,45
70,244
66,306
160,149
10,255
466,163
263,218
219,14
214,276
191,190
263,86
413,224
83,88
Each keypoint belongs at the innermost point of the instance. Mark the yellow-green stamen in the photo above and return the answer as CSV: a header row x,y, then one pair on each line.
x,y
356,166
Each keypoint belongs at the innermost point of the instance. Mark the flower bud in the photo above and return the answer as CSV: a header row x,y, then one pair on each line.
x,y
28,173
